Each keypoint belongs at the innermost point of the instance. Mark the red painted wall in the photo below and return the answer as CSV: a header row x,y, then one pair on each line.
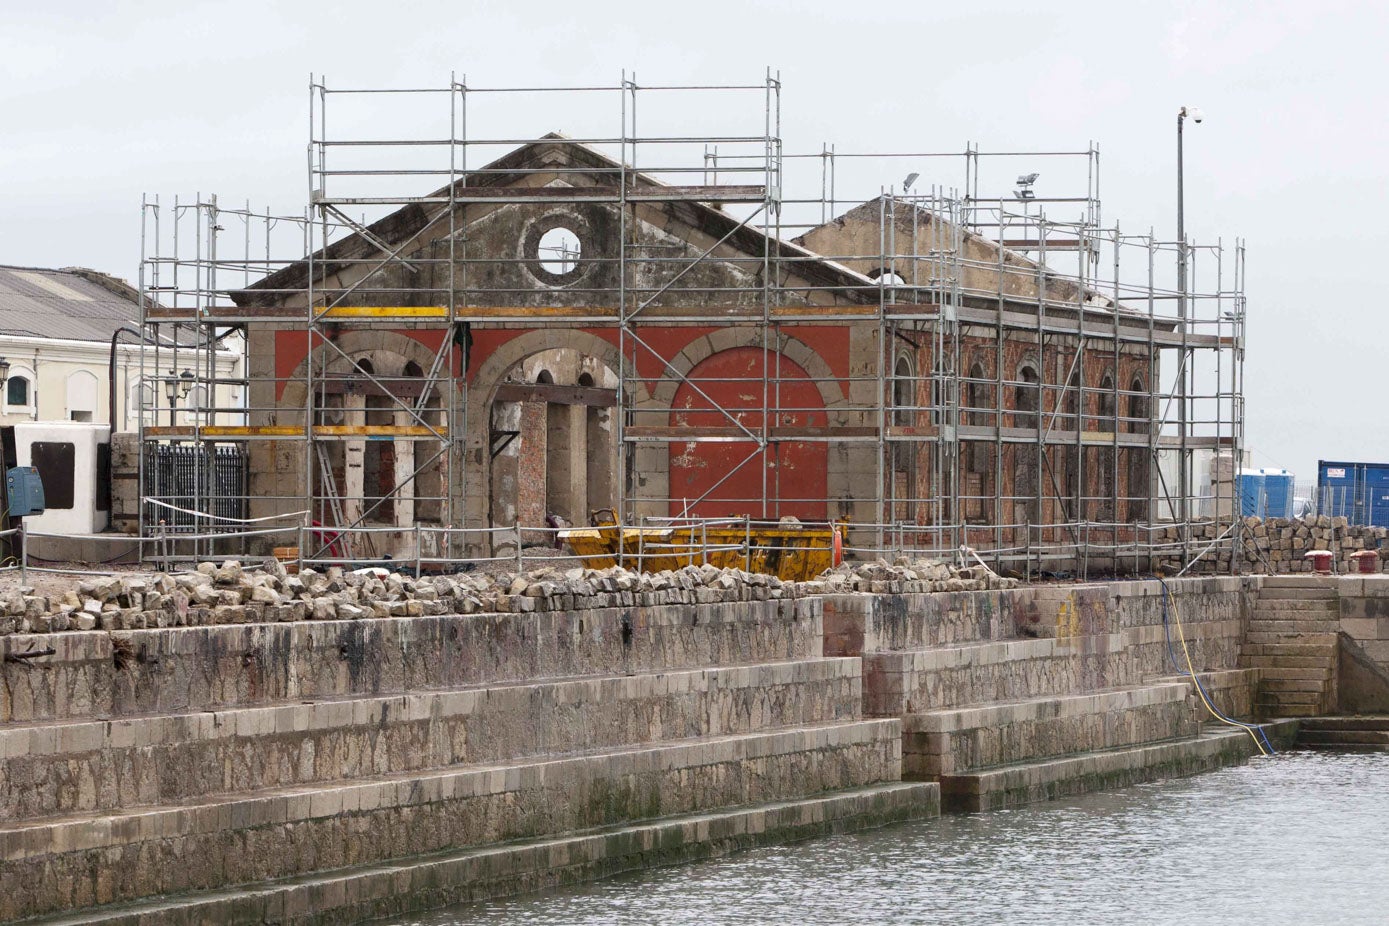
x,y
796,472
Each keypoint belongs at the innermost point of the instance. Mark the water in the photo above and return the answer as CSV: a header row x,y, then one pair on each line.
x,y
1299,838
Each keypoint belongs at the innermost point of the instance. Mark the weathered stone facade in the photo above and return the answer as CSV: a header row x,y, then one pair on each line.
x,y
706,363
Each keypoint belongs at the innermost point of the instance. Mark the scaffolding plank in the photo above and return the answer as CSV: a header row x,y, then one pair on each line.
x,y
604,193
234,432
657,433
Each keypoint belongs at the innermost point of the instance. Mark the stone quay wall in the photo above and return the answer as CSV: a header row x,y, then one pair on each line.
x,y
165,738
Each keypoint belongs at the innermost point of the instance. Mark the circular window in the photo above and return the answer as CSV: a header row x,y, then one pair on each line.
x,y
559,250
554,247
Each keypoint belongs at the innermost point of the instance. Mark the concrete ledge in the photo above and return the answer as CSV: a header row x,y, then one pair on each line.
x,y
411,885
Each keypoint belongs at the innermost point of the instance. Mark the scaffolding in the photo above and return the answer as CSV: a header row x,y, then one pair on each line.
x,y
978,362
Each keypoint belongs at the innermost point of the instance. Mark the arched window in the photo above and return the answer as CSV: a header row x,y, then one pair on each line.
x,y
1105,409
903,394
142,407
904,402
1070,405
888,278
1138,407
1026,397
81,396
1139,472
1105,406
544,377
19,390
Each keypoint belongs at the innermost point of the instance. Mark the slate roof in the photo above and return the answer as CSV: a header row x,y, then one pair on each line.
x,y
73,303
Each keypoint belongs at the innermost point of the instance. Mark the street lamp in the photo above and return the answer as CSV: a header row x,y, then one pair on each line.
x,y
1184,476
4,374
176,387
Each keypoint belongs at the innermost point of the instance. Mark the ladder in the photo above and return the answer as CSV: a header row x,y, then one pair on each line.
x,y
330,492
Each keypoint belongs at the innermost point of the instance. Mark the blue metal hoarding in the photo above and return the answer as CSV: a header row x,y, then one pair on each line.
x,y
1358,492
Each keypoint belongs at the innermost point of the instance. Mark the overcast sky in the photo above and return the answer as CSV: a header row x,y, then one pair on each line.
x,y
101,102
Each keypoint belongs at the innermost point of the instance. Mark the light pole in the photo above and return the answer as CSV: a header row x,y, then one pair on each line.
x,y
1184,463
176,387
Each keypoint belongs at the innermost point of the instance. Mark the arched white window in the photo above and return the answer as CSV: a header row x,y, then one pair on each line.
x,y
143,404
82,396
19,390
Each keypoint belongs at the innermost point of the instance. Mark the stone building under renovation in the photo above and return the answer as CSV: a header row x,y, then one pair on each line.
x,y
668,327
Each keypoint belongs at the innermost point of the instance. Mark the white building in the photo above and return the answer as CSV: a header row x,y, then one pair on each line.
x,y
56,328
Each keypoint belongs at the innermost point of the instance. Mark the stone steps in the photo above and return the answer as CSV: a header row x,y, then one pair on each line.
x,y
1314,673
87,766
1287,648
403,886
1343,739
1292,640
951,742
996,788
1348,722
1327,640
71,862
896,684
1364,733
1309,606
1291,627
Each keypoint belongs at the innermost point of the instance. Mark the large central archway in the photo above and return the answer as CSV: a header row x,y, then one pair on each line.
x,y
731,477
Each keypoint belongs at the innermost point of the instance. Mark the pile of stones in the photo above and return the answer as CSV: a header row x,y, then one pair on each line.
x,y
1280,545
230,594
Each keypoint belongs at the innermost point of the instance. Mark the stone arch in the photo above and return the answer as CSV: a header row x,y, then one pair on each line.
x,y
373,345
489,375
736,477
372,478
795,350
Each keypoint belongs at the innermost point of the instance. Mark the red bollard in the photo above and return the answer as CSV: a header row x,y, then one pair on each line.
x,y
1366,561
1321,561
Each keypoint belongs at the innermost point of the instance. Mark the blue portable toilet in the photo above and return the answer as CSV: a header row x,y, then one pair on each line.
x,y
1278,493
1251,493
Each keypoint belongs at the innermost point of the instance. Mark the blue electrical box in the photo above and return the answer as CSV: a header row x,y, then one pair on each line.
x,y
24,489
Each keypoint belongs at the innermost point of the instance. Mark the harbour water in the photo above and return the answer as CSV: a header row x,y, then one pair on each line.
x,y
1298,838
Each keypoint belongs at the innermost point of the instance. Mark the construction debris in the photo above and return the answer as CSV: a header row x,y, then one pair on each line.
x,y
232,594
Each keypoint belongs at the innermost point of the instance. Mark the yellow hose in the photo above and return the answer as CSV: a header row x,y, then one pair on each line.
x,y
1200,691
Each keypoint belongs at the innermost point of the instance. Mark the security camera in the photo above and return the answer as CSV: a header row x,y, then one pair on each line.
x,y
1193,113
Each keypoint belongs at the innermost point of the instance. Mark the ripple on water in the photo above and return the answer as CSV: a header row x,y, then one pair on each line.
x,y
1299,838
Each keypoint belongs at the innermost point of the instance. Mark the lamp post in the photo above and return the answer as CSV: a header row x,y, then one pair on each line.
x,y
1183,468
176,387
4,376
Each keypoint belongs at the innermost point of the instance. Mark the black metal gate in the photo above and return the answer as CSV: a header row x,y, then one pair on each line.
x,y
203,478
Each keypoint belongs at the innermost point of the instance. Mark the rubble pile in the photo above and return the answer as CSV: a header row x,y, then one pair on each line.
x,y
231,594
1280,545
